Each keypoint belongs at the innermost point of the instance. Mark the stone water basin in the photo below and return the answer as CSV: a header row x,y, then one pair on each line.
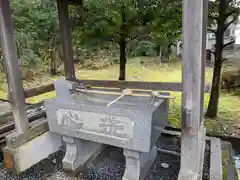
x,y
128,123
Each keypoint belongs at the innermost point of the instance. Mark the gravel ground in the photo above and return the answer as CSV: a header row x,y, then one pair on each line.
x,y
109,165
206,165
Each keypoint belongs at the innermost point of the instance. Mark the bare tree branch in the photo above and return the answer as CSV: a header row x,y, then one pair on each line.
x,y
212,52
99,16
228,44
211,16
229,1
224,59
137,36
113,40
231,13
212,30
228,24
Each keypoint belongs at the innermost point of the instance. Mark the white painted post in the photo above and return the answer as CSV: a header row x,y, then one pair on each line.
x,y
66,39
12,68
195,14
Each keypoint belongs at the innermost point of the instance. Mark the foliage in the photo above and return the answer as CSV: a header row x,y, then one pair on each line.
x,y
141,48
25,48
35,29
123,21
166,27
130,26
143,20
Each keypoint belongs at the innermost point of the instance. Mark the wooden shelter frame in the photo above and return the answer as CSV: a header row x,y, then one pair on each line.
x,y
193,75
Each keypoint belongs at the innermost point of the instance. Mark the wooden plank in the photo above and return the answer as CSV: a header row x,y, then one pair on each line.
x,y
137,86
193,74
111,86
32,116
215,159
227,152
193,65
38,90
66,39
12,68
164,86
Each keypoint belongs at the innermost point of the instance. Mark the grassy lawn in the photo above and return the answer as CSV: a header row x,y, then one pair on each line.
x,y
229,111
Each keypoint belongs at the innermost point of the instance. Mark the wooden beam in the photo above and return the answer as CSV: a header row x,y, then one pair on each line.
x,y
38,90
165,86
110,86
193,66
114,86
66,39
193,72
12,68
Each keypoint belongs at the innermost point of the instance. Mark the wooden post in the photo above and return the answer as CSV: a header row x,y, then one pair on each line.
x,y
193,72
66,39
12,68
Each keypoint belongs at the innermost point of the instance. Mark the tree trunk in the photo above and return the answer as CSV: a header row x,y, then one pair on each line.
x,y
159,54
158,50
212,110
169,50
123,60
53,65
122,43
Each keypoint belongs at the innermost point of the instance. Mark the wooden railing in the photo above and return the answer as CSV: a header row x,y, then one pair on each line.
x,y
38,90
164,86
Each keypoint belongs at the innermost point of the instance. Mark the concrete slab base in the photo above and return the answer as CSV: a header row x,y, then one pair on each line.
x,y
138,164
78,153
216,159
30,153
188,175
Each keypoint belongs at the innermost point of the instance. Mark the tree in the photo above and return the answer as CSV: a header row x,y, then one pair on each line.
x,y
35,26
166,27
222,14
24,31
121,22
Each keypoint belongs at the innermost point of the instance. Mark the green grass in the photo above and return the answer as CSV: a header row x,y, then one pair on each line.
x,y
229,110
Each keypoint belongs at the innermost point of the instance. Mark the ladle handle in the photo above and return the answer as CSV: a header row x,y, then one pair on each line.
x,y
109,104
